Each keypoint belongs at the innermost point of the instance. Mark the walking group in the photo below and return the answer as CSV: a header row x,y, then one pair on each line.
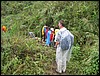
x,y
48,35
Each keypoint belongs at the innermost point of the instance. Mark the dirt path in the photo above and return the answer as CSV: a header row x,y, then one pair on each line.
x,y
52,70
53,66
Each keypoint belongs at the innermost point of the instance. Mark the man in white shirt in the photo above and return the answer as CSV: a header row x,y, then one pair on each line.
x,y
62,56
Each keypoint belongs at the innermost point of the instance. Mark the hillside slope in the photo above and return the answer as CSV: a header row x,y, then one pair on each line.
x,y
23,55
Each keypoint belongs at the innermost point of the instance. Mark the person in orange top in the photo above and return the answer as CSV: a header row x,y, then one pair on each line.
x,y
4,28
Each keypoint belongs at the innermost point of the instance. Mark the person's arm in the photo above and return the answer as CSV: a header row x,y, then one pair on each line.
x,y
57,43
57,38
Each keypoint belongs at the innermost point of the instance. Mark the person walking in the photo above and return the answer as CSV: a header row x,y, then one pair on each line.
x,y
56,31
48,42
43,32
4,29
52,37
63,56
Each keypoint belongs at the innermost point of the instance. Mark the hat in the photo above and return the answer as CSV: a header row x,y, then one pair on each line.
x,y
52,29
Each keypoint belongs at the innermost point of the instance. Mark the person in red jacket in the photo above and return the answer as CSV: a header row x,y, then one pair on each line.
x,y
52,37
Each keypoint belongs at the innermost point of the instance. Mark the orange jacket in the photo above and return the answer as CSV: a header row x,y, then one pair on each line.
x,y
4,28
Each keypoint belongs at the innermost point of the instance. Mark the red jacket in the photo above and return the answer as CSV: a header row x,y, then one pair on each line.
x,y
52,36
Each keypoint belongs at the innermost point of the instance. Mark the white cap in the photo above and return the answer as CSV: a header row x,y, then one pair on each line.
x,y
52,29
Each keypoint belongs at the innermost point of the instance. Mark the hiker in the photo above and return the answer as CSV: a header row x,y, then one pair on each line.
x,y
43,32
46,31
4,28
48,36
31,34
63,56
52,37
56,31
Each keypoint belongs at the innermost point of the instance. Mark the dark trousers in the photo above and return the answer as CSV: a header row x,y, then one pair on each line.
x,y
44,37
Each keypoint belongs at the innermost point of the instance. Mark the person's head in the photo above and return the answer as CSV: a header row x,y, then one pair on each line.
x,y
45,26
61,24
52,29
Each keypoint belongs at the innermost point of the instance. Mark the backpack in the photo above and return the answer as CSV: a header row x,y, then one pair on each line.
x,y
31,34
67,39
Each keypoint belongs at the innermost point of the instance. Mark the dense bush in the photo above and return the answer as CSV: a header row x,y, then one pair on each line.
x,y
20,17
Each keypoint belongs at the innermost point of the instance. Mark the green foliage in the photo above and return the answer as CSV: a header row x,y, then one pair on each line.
x,y
91,64
22,55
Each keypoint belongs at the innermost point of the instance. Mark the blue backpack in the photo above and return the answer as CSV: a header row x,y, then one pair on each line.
x,y
67,39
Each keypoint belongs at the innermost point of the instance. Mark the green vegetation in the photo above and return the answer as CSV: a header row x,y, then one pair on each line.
x,y
25,56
